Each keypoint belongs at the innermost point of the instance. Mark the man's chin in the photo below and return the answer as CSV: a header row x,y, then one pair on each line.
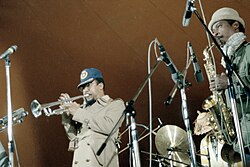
x,y
220,41
89,98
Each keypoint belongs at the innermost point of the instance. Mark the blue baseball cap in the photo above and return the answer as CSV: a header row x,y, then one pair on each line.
x,y
88,75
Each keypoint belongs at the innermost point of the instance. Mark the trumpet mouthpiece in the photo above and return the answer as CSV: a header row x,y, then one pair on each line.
x,y
86,95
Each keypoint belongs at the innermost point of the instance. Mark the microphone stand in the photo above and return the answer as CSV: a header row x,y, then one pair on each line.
x,y
130,112
9,110
230,71
181,85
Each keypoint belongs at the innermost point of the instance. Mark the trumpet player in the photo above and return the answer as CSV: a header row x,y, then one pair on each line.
x,y
88,126
229,28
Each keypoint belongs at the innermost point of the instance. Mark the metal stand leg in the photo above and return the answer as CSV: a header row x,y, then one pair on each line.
x,y
135,145
188,129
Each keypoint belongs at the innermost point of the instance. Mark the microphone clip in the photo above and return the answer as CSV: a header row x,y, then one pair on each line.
x,y
171,95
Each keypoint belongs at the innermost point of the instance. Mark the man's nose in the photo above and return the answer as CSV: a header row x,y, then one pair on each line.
x,y
86,88
215,33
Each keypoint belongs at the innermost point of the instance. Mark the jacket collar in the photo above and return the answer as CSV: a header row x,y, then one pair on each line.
x,y
104,100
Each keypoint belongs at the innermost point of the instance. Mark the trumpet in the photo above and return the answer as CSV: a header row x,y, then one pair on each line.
x,y
37,108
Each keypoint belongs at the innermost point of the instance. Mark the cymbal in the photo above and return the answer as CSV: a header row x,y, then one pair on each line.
x,y
172,142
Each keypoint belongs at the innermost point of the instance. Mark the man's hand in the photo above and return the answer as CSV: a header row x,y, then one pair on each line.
x,y
69,106
218,83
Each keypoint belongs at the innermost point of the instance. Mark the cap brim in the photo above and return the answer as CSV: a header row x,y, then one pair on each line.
x,y
79,87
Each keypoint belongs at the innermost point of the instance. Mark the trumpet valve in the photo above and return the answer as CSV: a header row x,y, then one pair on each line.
x,y
48,111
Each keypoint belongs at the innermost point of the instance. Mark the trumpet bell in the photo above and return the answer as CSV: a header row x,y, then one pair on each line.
x,y
35,107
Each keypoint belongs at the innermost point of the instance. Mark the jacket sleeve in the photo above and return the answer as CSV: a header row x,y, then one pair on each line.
x,y
68,126
246,78
242,62
105,119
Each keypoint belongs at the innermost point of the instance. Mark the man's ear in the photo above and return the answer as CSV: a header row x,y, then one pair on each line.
x,y
101,85
236,25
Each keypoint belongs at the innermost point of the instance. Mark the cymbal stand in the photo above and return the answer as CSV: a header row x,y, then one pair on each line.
x,y
170,153
166,158
160,161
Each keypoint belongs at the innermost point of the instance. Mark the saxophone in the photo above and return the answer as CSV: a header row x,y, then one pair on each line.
x,y
221,119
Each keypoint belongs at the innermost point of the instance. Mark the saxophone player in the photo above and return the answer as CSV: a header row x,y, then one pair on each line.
x,y
228,28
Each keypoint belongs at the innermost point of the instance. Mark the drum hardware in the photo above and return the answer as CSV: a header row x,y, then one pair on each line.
x,y
185,151
158,159
205,155
160,162
153,131
37,108
165,159
17,117
172,142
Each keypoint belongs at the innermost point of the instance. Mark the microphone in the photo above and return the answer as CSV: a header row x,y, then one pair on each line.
x,y
188,13
197,71
168,61
8,52
17,116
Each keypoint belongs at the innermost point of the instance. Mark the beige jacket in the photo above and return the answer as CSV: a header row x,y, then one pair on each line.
x,y
97,122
